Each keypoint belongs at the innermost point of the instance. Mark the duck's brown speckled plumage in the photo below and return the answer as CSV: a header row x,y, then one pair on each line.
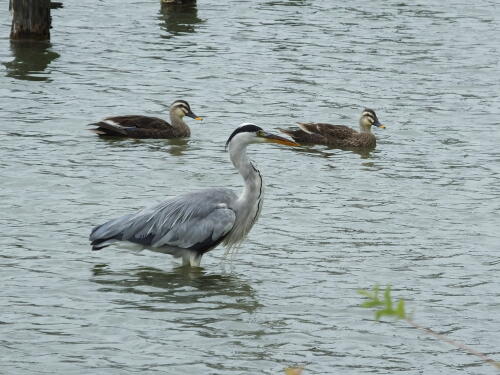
x,y
331,135
138,126
338,136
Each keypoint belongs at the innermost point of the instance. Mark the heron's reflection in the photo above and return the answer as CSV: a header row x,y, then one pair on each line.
x,y
30,59
183,286
179,18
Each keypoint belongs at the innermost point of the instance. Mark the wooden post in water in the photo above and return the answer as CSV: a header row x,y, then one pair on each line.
x,y
30,19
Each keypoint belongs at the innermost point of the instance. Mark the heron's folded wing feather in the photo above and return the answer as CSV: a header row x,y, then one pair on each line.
x,y
206,230
183,221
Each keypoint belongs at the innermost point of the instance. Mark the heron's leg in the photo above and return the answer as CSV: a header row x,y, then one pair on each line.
x,y
195,260
186,260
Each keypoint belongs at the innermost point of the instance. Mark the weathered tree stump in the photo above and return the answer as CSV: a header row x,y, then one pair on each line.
x,y
179,18
30,19
56,5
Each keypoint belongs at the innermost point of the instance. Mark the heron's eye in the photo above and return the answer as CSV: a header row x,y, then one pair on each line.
x,y
260,133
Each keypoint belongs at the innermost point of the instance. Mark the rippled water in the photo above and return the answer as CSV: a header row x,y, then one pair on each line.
x,y
421,212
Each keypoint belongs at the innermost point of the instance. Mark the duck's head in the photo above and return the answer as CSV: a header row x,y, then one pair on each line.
x,y
181,108
368,119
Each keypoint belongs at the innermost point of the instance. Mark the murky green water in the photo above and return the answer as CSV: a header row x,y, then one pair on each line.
x,y
421,212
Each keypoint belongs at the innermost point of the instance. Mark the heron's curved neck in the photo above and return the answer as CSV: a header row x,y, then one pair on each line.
x,y
250,174
178,123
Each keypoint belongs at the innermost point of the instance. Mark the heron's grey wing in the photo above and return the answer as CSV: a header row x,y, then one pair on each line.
x,y
196,221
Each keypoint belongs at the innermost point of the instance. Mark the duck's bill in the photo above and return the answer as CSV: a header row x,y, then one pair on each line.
x,y
192,115
379,125
272,138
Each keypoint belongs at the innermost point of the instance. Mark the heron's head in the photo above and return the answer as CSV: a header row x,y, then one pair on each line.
x,y
181,108
248,133
368,119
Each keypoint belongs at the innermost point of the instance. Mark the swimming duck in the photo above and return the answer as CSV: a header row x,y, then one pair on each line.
x,y
137,126
338,135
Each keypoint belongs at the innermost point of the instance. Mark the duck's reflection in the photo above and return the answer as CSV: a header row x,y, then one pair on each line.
x,y
178,146
31,59
179,18
328,152
175,146
183,286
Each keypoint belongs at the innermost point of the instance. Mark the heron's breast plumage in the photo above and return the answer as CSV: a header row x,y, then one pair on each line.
x,y
248,208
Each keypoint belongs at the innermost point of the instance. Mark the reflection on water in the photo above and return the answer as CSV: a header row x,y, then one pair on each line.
x,y
178,146
288,3
328,152
175,147
30,59
179,18
183,286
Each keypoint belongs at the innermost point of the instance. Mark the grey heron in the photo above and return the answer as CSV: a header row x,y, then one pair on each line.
x,y
189,225
338,135
137,126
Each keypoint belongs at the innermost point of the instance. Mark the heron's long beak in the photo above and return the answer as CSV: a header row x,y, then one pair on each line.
x,y
272,138
192,115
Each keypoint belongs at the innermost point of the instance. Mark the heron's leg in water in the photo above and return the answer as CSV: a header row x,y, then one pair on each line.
x,y
195,260
192,260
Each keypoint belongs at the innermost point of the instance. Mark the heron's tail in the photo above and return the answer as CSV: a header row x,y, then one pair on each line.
x,y
100,237
105,234
102,243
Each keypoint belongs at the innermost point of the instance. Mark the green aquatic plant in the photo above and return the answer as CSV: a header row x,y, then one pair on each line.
x,y
386,307
386,304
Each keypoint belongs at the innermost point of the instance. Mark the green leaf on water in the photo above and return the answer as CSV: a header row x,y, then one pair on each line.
x,y
400,310
385,307
387,298
372,303
386,304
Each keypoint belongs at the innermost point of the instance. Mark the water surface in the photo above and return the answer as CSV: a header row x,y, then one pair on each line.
x,y
421,212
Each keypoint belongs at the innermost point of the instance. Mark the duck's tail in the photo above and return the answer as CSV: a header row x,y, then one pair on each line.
x,y
108,127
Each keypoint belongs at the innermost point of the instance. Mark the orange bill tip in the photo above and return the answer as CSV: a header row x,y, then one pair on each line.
x,y
280,140
287,143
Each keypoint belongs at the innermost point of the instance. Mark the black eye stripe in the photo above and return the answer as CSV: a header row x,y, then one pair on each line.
x,y
248,128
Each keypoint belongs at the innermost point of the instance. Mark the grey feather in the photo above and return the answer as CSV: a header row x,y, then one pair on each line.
x,y
202,217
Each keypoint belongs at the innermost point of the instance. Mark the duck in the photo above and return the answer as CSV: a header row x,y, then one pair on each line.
x,y
338,136
138,126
